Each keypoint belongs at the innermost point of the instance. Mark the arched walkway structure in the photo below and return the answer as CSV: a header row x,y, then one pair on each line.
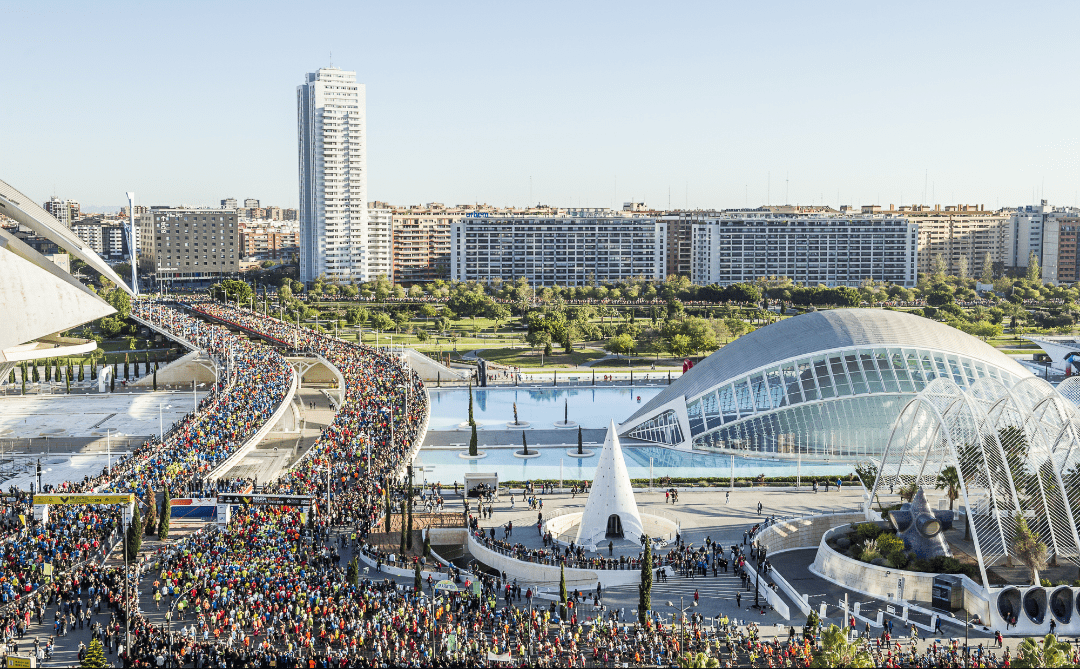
x,y
1016,450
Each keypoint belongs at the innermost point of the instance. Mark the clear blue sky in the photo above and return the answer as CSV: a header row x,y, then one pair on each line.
x,y
597,103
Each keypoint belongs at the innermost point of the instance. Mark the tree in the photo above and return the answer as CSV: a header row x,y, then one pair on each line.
x,y
472,442
962,268
471,422
1029,550
908,491
1050,653
163,521
620,344
562,592
987,276
837,651
645,587
1034,273
524,444
352,572
95,656
580,449
418,582
949,481
120,301
698,661
388,512
134,535
940,268
427,544
402,546
409,502
155,379
150,524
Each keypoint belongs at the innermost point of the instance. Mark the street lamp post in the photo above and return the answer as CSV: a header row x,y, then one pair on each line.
x,y
161,431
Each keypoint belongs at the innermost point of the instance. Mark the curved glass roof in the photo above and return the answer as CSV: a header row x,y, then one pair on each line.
x,y
824,331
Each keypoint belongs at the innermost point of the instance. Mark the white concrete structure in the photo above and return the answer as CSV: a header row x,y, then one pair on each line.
x,y
819,248
38,298
611,509
585,247
333,176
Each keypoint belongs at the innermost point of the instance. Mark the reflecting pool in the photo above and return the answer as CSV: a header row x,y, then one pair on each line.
x,y
447,466
493,408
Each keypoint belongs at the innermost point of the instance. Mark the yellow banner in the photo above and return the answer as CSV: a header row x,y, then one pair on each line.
x,y
18,661
85,498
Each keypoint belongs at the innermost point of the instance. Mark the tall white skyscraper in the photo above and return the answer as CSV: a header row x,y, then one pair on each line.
x,y
333,176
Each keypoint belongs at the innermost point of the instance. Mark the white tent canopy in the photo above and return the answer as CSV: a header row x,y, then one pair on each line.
x,y
611,508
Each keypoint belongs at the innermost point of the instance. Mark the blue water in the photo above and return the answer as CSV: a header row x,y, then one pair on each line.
x,y
493,408
446,466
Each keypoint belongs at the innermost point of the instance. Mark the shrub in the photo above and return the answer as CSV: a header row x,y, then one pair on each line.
x,y
866,532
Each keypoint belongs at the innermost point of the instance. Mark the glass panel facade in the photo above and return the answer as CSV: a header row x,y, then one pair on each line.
x,y
660,429
842,404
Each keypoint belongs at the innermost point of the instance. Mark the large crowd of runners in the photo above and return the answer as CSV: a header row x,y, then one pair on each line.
x,y
272,589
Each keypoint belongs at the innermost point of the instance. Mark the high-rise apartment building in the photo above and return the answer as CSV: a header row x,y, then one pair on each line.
x,y
333,176
811,249
228,203
64,211
957,236
587,247
422,243
190,244
251,203
380,235
679,242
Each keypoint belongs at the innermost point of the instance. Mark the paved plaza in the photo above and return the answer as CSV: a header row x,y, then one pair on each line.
x,y
60,416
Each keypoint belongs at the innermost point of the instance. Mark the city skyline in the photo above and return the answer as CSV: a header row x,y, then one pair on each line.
x,y
583,106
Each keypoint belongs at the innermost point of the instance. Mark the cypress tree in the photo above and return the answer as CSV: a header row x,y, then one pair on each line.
x,y
427,543
352,572
645,587
562,591
11,378
70,371
93,370
82,372
155,380
471,421
37,376
402,546
580,450
388,511
472,442
163,521
134,535
150,525
418,583
112,383
408,535
48,371
524,444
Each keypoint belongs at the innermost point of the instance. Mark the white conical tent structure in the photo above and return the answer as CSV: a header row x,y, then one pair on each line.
x,y
611,497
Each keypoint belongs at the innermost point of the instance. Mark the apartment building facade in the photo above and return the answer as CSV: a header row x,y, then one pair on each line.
x,y
421,245
380,244
811,249
263,240
333,176
583,247
191,244
105,236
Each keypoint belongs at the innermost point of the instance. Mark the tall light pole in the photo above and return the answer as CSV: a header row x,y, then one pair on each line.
x,y
134,251
161,432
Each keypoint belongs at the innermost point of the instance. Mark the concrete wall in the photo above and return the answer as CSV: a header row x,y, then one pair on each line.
x,y
181,371
787,535
543,574
867,578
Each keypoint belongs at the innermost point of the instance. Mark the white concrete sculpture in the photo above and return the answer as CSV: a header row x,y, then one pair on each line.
x,y
610,510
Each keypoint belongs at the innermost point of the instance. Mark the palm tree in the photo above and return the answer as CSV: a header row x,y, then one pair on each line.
x,y
837,651
907,492
1050,653
949,481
